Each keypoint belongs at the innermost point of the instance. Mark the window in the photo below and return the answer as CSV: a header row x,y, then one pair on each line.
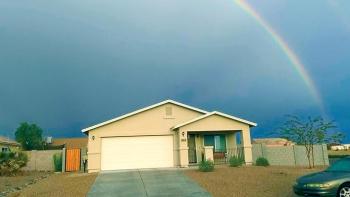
x,y
4,149
217,141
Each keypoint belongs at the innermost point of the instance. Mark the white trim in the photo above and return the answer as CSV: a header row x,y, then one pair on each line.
x,y
216,113
142,110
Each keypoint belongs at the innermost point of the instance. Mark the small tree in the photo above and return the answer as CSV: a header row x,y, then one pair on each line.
x,y
307,133
29,136
336,138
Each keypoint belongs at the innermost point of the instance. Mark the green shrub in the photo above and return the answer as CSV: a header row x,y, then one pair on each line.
x,y
12,162
206,166
261,161
236,161
57,161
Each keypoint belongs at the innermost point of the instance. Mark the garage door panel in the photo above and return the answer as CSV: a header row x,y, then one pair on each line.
x,y
137,152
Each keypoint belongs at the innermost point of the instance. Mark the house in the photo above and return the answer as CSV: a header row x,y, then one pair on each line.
x,y
339,146
7,144
273,142
346,146
166,134
70,143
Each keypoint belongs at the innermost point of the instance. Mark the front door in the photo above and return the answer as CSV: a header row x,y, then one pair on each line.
x,y
192,156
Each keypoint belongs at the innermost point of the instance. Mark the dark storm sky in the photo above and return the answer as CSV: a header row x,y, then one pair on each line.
x,y
66,65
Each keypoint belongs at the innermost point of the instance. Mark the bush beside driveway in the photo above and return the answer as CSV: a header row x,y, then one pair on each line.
x,y
249,181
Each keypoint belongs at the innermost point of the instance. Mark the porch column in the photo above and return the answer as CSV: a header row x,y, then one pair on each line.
x,y
247,146
231,140
209,153
183,149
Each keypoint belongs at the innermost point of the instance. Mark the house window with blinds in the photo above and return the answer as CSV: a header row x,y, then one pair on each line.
x,y
217,141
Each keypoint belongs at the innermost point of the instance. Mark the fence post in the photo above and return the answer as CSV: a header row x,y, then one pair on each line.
x,y
324,162
63,159
295,159
262,150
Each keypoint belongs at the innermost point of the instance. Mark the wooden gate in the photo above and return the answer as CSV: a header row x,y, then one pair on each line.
x,y
72,160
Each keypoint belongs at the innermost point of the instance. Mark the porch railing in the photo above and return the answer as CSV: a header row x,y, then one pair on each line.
x,y
223,156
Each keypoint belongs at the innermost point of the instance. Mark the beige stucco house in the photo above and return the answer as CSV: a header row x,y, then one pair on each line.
x,y
7,144
167,134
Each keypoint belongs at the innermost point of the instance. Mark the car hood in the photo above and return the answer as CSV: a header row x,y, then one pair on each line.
x,y
322,177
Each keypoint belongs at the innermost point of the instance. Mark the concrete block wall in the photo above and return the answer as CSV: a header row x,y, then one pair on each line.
x,y
41,160
290,155
282,156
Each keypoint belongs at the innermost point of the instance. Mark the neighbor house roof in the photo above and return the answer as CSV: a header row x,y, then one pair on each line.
x,y
215,113
7,141
273,141
70,142
142,110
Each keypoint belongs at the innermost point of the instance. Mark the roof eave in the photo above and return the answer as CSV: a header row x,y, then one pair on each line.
x,y
251,124
142,110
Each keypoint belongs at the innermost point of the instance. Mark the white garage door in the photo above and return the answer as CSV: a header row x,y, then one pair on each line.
x,y
137,152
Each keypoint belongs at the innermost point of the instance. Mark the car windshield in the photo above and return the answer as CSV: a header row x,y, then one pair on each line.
x,y
341,165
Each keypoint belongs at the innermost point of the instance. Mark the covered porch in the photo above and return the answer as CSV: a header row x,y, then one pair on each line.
x,y
222,144
214,136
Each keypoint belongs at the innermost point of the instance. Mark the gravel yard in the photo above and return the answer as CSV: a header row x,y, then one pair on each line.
x,y
249,181
59,185
224,181
15,183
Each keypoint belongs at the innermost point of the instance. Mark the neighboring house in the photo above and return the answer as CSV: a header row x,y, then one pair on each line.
x,y
167,134
338,147
7,144
346,146
70,143
273,142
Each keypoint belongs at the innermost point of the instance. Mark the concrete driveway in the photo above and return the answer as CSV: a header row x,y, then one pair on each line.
x,y
149,183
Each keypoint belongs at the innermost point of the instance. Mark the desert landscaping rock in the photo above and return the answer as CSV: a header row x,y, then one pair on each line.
x,y
59,185
15,184
249,181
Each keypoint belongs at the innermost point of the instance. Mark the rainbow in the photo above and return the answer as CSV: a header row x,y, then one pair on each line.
x,y
293,58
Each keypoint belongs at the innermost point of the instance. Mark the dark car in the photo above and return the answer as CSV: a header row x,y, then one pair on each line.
x,y
335,181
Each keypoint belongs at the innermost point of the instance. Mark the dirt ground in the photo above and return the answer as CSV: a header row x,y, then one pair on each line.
x,y
338,152
249,181
59,185
11,183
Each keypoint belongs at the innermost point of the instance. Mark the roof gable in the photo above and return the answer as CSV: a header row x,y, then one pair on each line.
x,y
7,141
215,113
142,110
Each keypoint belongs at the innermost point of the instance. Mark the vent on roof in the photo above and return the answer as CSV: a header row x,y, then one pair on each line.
x,y
168,111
